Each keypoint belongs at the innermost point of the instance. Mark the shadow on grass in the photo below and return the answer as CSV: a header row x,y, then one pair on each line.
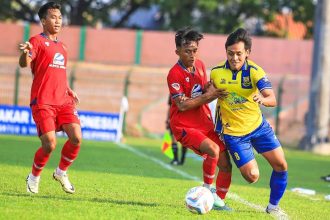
x,y
72,198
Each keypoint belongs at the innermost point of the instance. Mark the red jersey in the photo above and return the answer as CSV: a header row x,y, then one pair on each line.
x,y
49,59
181,82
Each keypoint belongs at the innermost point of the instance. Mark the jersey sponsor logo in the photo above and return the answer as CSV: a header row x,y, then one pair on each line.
x,y
196,91
58,61
232,82
176,86
47,44
235,99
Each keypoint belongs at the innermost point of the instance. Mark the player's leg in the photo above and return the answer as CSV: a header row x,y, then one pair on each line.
x,y
44,118
69,153
241,151
71,147
279,177
183,154
175,160
214,154
223,180
266,143
68,121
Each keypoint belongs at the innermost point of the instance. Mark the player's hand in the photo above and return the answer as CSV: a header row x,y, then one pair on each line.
x,y
74,95
216,93
258,99
183,98
25,47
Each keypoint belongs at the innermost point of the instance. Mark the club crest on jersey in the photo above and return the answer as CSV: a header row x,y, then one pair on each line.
x,y
47,44
196,91
223,81
176,86
246,81
187,79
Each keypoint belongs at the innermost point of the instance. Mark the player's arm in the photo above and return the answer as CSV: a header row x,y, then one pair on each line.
x,y
25,59
184,103
266,98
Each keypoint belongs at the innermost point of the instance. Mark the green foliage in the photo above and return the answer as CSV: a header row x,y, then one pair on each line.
x,y
114,183
212,16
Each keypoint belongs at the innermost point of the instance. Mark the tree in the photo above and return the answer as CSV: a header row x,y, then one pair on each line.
x,y
76,12
212,16
223,16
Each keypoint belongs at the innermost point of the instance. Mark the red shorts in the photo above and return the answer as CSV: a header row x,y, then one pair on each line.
x,y
193,138
52,117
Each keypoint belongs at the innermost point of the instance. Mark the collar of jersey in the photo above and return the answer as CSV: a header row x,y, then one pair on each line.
x,y
244,67
184,68
45,36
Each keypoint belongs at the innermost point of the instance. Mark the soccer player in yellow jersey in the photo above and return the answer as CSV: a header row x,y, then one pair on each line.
x,y
240,119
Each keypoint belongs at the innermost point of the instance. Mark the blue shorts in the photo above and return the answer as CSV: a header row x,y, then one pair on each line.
x,y
262,139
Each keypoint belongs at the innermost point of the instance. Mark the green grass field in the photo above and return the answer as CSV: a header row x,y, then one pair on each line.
x,y
133,181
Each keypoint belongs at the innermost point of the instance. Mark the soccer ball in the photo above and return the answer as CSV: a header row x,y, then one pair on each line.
x,y
199,200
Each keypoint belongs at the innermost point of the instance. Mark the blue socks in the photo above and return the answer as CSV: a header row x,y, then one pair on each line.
x,y
278,183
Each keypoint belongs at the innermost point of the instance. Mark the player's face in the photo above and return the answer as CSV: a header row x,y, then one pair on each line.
x,y
53,21
188,53
236,55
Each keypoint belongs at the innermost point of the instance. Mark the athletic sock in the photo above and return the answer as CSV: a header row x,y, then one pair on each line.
x,y
60,172
183,154
207,185
69,154
40,160
222,184
278,183
209,167
175,151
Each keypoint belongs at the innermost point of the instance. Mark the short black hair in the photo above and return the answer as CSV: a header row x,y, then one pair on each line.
x,y
237,36
42,13
187,35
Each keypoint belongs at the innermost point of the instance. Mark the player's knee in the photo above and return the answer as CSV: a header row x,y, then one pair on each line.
x,y
252,176
281,166
76,140
49,145
214,150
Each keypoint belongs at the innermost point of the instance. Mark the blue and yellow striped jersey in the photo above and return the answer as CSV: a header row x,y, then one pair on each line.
x,y
238,113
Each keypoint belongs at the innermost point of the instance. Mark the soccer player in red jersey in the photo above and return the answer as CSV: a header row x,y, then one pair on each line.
x,y
52,101
190,116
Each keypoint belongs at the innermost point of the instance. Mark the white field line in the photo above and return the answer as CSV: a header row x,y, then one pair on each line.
x,y
188,176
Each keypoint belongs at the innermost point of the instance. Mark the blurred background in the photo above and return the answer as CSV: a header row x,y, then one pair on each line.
x,y
120,48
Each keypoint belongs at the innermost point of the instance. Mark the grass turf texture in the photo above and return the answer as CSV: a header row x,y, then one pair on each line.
x,y
114,183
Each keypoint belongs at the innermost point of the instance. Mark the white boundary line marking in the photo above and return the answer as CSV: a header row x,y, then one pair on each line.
x,y
188,176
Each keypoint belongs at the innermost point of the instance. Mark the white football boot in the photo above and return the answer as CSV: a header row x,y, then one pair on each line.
x,y
32,184
64,181
219,204
278,212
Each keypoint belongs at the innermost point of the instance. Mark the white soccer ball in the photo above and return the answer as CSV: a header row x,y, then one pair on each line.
x,y
199,200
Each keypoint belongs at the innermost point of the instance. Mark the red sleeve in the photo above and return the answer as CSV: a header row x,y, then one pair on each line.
x,y
174,83
35,47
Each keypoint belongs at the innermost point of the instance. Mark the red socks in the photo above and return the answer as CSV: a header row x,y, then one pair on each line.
x,y
69,154
209,167
223,183
40,160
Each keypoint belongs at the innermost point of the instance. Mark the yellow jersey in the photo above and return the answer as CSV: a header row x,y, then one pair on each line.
x,y
238,114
